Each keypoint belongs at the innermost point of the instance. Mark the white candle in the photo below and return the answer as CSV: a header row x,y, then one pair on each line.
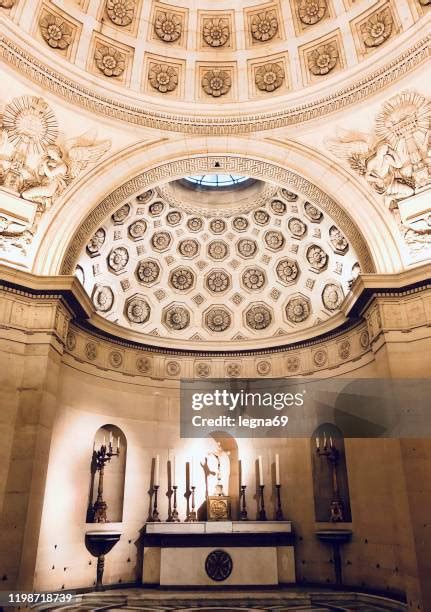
x,y
317,442
110,437
324,440
240,472
260,470
118,443
174,473
157,471
104,441
191,471
330,441
277,469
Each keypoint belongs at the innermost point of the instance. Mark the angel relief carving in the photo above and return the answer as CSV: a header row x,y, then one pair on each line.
x,y
396,159
33,166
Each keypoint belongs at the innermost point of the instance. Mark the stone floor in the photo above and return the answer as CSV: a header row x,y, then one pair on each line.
x,y
229,601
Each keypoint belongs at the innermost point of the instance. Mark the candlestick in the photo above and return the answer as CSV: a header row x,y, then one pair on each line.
x,y
243,513
155,514
192,518
277,469
333,456
103,456
157,472
260,471
174,516
279,512
262,514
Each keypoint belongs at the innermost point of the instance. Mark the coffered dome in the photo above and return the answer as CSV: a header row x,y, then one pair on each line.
x,y
253,264
195,52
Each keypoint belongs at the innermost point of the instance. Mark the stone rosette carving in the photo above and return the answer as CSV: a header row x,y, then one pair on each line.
x,y
109,60
137,310
293,363
144,365
258,317
312,212
118,259
274,240
289,195
218,250
137,229
177,318
218,281
144,198
103,298
55,30
216,31
216,82
182,279
338,240
188,248
120,215
96,242
344,349
297,227
156,208
120,12
115,359
298,309
173,368
278,207
316,257
203,370
332,296
263,368
264,26
70,341
246,247
287,270
364,339
168,26
253,278
91,351
323,59
240,224
269,77
163,77
174,217
311,11
218,319
233,370
377,29
261,217
320,358
217,226
161,241
195,224
148,272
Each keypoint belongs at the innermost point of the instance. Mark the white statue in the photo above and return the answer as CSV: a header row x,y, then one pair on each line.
x,y
222,471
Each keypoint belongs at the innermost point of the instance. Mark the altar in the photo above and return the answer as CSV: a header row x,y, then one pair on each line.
x,y
220,553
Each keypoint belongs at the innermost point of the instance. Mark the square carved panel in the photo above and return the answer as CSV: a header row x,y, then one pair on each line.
x,y
321,58
216,30
168,25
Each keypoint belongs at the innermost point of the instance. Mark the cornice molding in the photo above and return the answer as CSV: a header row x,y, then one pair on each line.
x,y
83,95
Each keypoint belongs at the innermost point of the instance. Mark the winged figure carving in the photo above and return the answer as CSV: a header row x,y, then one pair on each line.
x,y
58,169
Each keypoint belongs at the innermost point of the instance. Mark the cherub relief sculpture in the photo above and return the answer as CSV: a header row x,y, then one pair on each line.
x,y
33,165
396,159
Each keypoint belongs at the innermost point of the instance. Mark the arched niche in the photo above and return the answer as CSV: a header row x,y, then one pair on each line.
x,y
106,504
229,447
330,481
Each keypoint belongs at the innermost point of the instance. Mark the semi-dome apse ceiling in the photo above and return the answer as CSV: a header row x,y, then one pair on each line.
x,y
250,263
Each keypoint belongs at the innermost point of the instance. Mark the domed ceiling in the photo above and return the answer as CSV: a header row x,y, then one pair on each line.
x,y
200,52
250,263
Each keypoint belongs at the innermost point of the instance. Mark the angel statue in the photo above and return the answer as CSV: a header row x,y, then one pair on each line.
x,y
223,468
57,171
379,163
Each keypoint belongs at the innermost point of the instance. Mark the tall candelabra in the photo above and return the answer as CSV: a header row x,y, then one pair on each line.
x,y
333,456
103,456
192,516
243,513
